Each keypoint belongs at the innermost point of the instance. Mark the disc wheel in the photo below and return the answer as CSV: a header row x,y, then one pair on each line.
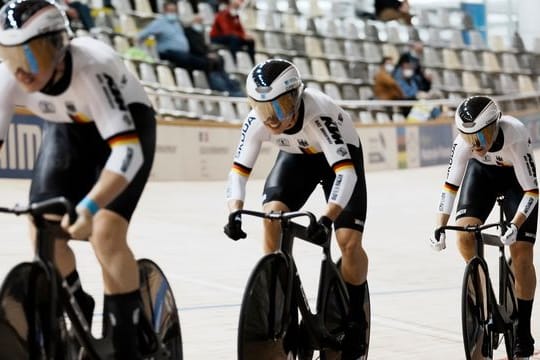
x,y
509,303
476,312
267,327
160,309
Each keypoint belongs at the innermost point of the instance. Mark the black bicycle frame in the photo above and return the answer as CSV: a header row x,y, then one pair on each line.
x,y
318,334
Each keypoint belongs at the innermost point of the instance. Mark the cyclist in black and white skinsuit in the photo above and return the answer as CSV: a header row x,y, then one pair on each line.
x,y
97,149
318,144
493,156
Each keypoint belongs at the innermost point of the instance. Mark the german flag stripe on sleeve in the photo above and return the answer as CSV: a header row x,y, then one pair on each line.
x,y
342,165
450,188
532,192
308,151
241,169
124,138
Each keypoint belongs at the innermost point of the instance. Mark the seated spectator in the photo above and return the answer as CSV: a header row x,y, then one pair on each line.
x,y
77,12
385,87
227,30
218,78
173,45
404,76
422,79
386,10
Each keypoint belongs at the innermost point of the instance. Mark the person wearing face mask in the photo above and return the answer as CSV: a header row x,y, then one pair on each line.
x,y
385,87
404,76
227,30
422,79
318,145
171,41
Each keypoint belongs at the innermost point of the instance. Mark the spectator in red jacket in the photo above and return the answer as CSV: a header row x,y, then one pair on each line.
x,y
227,30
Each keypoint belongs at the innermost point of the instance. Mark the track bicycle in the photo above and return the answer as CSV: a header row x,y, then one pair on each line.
x,y
484,317
270,326
40,318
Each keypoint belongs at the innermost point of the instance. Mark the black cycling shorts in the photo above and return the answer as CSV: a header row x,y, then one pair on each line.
x,y
72,156
294,177
480,188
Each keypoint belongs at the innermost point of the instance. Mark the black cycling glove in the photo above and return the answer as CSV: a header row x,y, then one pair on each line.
x,y
320,231
233,228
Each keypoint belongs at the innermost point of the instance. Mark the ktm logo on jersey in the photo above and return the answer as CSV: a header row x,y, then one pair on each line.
x,y
112,91
332,129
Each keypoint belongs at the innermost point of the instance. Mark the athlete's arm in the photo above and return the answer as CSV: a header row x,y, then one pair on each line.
x,y
525,169
8,91
459,157
327,132
251,138
116,126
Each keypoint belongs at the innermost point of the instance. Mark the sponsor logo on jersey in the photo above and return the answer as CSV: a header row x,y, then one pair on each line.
x,y
283,142
70,107
531,167
461,212
337,187
243,134
358,222
451,161
113,94
530,235
333,129
303,143
46,107
127,160
342,151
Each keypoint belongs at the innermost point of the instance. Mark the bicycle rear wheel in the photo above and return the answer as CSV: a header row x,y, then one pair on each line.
x,y
509,303
160,308
476,312
335,316
26,331
267,325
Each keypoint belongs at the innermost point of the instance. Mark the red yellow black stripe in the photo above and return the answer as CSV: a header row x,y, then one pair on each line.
x,y
343,165
79,118
241,169
532,192
123,138
308,150
450,187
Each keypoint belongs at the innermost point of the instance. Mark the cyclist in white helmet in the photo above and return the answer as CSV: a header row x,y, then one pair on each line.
x,y
318,144
97,149
491,156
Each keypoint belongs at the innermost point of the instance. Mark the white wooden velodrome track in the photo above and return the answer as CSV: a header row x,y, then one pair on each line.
x,y
415,292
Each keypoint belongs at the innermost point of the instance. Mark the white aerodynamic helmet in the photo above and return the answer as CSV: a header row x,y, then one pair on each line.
x,y
274,90
477,119
34,35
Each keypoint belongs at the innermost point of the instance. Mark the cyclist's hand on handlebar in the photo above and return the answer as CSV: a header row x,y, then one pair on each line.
x,y
319,231
81,229
233,228
510,236
438,243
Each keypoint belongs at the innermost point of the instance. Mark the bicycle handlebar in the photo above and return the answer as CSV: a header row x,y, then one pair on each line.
x,y
276,215
40,208
489,239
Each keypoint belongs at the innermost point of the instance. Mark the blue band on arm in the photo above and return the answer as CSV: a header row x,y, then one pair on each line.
x,y
90,204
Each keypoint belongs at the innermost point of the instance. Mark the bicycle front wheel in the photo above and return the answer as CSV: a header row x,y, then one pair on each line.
x,y
267,316
160,308
509,303
476,312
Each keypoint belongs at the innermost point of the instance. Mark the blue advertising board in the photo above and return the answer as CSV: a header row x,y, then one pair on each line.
x,y
19,151
435,144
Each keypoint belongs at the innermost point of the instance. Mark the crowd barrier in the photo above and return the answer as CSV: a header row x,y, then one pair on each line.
x,y
200,150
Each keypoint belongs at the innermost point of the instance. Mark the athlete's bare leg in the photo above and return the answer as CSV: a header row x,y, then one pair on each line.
x,y
354,260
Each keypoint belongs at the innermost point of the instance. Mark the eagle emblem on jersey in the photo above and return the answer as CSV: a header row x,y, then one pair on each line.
x,y
302,143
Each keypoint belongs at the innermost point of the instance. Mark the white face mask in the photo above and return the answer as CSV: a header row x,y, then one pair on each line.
x,y
389,67
408,73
